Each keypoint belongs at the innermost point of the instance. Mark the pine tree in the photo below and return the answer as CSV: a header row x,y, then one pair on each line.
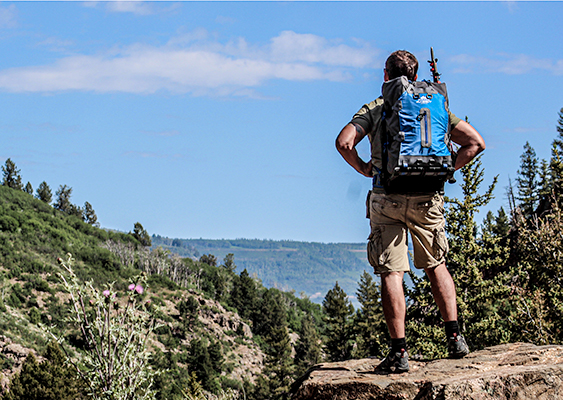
x,y
545,190
201,365
244,298
11,177
308,350
189,312
556,162
209,259
560,124
51,379
28,188
89,215
338,312
278,368
372,333
44,193
527,182
229,262
141,235
63,199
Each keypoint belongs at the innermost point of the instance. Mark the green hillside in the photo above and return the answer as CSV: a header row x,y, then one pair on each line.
x,y
311,268
201,341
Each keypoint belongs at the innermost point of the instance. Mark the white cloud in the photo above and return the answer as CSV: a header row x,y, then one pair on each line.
x,y
511,64
8,16
316,296
291,46
56,44
195,63
135,7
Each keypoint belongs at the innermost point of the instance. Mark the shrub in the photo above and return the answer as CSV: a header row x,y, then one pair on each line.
x,y
8,224
115,365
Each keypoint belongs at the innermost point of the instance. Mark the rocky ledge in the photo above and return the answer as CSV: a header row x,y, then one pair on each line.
x,y
510,371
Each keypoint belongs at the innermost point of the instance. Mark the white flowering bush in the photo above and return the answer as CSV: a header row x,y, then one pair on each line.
x,y
115,365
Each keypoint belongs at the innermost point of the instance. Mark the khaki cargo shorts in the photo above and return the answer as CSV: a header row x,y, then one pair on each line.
x,y
391,217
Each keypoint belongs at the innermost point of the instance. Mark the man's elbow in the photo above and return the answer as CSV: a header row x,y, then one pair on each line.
x,y
480,145
345,141
342,145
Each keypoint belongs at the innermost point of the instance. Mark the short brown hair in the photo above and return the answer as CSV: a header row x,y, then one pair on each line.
x,y
400,63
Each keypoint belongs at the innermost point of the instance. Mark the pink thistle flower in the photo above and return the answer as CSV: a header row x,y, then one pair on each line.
x,y
131,286
139,289
106,293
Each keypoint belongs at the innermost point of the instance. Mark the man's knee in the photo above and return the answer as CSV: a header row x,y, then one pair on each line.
x,y
439,270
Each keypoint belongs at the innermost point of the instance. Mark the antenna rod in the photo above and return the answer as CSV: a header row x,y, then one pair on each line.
x,y
434,66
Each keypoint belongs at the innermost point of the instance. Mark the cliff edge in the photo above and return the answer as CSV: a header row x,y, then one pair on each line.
x,y
509,371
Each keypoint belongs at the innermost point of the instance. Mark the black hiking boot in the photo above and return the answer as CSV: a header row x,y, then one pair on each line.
x,y
457,347
396,362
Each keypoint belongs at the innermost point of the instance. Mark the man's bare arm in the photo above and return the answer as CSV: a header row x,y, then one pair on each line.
x,y
470,141
346,143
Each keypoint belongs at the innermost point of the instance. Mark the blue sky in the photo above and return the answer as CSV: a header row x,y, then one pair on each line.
x,y
218,119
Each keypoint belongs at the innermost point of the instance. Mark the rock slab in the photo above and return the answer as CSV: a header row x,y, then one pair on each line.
x,y
516,371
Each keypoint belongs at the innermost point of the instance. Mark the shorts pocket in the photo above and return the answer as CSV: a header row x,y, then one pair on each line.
x,y
432,207
375,247
440,245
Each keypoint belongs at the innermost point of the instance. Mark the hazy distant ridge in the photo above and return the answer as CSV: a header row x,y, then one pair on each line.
x,y
312,268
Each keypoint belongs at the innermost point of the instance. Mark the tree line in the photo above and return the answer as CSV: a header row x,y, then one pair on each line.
x,y
11,177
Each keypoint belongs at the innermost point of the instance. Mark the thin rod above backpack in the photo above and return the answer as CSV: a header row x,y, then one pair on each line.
x,y
434,66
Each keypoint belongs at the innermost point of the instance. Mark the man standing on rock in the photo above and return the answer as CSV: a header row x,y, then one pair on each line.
x,y
393,214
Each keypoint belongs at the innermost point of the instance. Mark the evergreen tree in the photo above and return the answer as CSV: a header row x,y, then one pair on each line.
x,y
189,312
556,162
216,356
244,296
278,367
308,350
51,379
545,190
89,215
209,259
44,193
28,188
222,279
372,333
527,182
229,262
338,312
560,127
11,177
141,235
63,199
200,363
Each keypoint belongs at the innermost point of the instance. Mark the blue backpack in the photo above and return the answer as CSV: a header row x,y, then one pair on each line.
x,y
417,153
